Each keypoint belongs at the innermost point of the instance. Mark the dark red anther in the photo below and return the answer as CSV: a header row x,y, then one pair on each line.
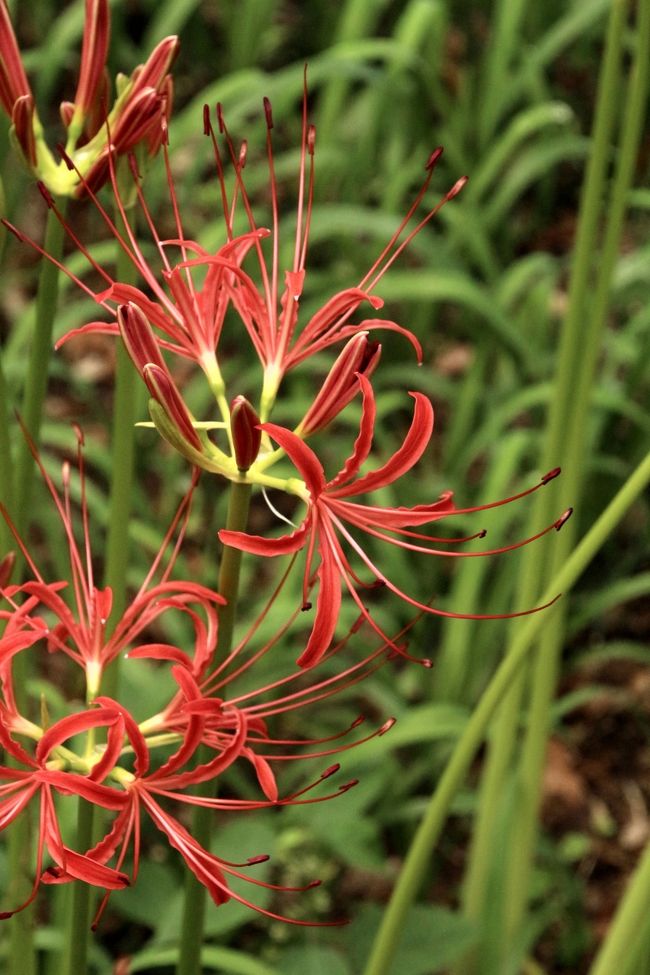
x,y
330,771
261,858
358,721
433,158
348,785
306,607
7,568
313,883
482,533
246,433
220,121
551,475
387,725
206,120
45,193
268,112
456,188
563,519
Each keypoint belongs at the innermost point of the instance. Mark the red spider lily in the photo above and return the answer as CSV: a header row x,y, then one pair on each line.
x,y
38,775
231,729
143,789
330,510
143,102
188,317
81,633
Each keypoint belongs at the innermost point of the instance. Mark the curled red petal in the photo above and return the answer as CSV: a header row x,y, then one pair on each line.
x,y
259,545
404,458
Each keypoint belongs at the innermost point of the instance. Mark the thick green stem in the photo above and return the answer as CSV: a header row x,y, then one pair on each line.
x,y
417,860
189,962
79,918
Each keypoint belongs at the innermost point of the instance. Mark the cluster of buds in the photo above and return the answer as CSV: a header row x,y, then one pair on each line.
x,y
93,132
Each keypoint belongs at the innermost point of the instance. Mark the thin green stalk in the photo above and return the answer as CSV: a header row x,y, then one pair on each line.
x,y
418,857
565,413
22,959
629,928
37,367
122,467
189,961
79,918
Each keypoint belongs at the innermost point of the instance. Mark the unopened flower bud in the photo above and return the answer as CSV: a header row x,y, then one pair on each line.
x,y
246,434
359,356
7,568
138,337
163,390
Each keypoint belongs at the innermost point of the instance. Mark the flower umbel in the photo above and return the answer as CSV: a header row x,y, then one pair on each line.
x,y
82,632
330,511
92,131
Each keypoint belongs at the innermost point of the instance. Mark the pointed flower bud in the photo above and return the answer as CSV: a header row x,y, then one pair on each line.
x,y
138,337
246,433
7,568
140,342
23,119
13,80
163,389
94,51
359,356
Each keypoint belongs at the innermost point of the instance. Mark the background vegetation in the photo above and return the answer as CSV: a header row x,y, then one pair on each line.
x,y
492,288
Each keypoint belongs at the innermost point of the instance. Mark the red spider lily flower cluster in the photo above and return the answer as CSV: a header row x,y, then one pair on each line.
x,y
125,775
93,133
180,307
